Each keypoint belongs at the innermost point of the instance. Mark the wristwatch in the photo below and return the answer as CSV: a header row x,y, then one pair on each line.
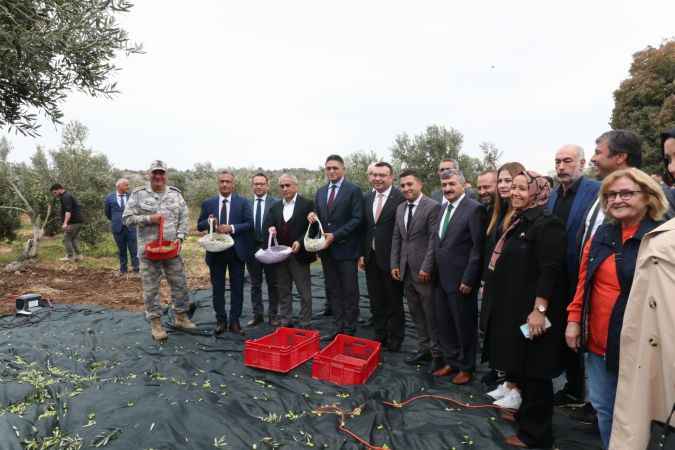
x,y
540,308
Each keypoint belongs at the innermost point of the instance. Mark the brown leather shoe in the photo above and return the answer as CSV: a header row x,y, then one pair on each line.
x,y
221,327
443,372
514,441
236,328
462,378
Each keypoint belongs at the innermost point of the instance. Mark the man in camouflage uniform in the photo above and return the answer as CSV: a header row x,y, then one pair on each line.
x,y
146,206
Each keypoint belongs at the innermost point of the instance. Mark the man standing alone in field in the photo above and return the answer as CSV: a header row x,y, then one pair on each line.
x,y
147,206
125,237
71,219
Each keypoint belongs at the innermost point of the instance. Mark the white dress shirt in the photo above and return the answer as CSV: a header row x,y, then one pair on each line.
x,y
385,196
119,199
262,209
229,208
405,213
455,204
289,207
338,185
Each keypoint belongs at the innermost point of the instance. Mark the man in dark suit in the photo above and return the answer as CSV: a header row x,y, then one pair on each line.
x,y
569,202
262,203
458,247
234,215
412,262
386,294
287,220
339,206
125,237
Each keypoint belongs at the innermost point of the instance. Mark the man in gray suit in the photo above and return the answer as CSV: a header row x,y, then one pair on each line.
x,y
412,261
262,202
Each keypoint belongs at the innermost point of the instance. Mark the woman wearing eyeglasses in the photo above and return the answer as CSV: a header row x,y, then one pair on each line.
x,y
646,389
635,205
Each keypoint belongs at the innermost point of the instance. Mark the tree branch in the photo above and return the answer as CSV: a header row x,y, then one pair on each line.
x,y
14,208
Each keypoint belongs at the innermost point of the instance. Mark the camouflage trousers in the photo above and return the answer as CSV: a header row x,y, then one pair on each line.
x,y
151,275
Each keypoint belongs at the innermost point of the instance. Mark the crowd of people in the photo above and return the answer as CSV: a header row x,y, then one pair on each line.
x,y
567,277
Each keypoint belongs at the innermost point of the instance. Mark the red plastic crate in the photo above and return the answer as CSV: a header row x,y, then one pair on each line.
x,y
281,351
347,360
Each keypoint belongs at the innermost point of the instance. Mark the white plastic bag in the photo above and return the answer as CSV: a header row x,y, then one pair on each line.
x,y
273,254
315,244
215,242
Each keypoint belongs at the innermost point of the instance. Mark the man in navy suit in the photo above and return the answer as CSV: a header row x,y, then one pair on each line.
x,y
339,207
458,248
569,202
125,237
262,203
234,216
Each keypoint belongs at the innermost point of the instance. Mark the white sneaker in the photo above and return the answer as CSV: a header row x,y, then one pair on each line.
x,y
66,258
513,400
499,393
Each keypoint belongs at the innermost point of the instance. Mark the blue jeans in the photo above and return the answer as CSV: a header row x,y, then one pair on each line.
x,y
601,391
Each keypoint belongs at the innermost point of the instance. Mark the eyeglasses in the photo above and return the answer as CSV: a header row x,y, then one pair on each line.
x,y
282,186
623,195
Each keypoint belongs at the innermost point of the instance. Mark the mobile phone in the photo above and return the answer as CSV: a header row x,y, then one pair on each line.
x,y
526,330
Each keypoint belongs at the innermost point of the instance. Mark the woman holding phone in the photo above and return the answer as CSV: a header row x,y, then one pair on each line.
x,y
525,268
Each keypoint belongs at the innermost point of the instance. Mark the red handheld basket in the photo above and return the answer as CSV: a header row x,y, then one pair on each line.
x,y
160,249
347,360
281,351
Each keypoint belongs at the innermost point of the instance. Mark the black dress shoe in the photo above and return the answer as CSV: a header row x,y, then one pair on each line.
x,y
257,320
221,327
327,312
235,328
418,358
436,364
393,347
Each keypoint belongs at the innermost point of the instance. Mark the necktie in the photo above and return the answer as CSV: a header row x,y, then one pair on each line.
x,y
446,220
331,197
122,201
258,217
410,216
378,208
223,213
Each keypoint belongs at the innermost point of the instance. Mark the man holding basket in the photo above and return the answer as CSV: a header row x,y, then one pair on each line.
x,y
157,209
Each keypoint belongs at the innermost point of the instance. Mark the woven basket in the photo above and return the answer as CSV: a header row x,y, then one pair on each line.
x,y
215,242
315,244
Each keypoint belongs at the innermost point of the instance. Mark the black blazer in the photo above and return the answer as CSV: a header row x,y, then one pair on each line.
x,y
297,225
382,231
459,254
343,220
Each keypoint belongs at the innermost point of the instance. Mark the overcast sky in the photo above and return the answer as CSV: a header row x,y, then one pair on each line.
x,y
283,84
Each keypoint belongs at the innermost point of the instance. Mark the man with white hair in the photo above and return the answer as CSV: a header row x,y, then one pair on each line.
x,y
125,237
569,202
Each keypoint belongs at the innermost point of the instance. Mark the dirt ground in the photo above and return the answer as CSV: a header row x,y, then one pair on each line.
x,y
73,284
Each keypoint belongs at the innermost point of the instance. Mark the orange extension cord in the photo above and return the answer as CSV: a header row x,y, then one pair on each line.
x,y
344,415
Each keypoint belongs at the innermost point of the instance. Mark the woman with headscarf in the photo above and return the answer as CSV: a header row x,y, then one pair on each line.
x,y
646,384
524,330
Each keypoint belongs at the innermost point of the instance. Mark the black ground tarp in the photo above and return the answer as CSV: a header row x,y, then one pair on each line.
x,y
87,377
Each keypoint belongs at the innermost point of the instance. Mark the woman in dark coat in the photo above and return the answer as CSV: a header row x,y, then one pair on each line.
x,y
526,269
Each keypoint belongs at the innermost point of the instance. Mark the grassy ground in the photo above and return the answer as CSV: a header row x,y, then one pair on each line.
x,y
101,256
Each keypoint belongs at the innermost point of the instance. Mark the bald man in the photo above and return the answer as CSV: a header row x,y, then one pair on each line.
x,y
570,201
